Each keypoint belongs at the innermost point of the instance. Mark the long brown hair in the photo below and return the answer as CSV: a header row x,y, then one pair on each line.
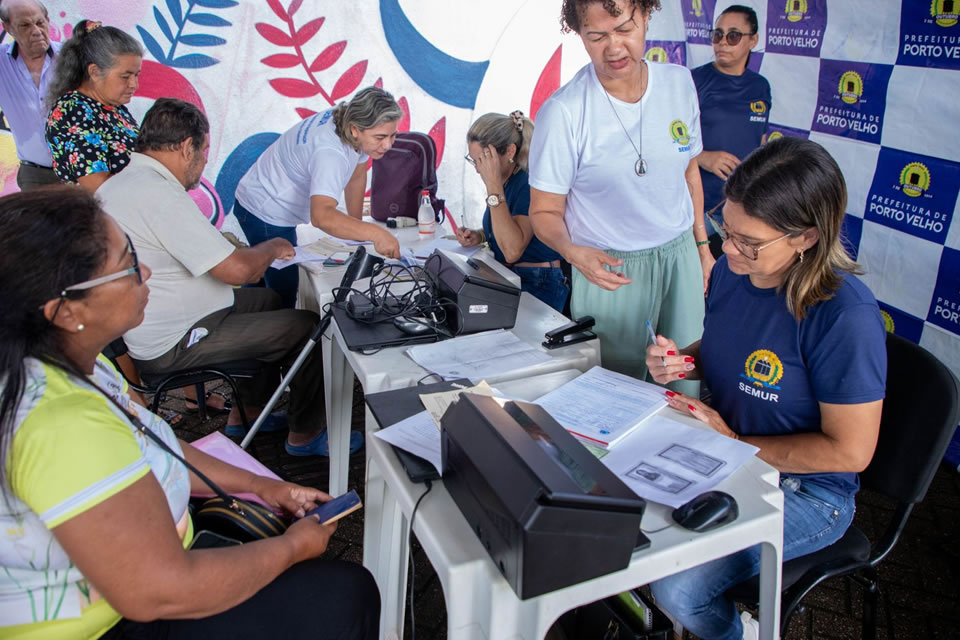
x,y
52,237
792,185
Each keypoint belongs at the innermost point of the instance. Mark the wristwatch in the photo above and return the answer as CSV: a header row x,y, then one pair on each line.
x,y
494,200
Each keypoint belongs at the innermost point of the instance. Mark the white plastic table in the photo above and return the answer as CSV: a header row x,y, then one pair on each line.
x,y
393,369
482,605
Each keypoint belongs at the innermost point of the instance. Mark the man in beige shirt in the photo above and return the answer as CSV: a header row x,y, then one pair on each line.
x,y
195,316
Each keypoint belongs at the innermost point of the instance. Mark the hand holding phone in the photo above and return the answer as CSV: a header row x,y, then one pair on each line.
x,y
337,508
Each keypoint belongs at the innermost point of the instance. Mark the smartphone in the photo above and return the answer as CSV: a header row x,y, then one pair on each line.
x,y
337,508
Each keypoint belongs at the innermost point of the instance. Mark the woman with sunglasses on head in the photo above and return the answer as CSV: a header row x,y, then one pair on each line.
x,y
793,351
499,149
615,188
94,522
734,105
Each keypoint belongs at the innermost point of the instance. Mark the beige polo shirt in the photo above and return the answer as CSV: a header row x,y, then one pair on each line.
x,y
174,239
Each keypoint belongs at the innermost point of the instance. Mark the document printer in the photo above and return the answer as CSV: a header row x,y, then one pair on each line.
x,y
548,512
483,299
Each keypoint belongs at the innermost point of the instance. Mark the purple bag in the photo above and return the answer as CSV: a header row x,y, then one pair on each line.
x,y
399,177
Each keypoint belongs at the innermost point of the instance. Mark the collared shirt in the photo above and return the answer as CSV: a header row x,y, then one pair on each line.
x,y
180,245
24,103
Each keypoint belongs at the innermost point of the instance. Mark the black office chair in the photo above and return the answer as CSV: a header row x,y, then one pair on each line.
x,y
158,385
920,415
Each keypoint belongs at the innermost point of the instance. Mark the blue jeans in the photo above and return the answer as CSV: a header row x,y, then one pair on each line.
x,y
545,283
814,517
286,282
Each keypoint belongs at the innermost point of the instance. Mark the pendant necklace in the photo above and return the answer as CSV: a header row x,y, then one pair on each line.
x,y
640,167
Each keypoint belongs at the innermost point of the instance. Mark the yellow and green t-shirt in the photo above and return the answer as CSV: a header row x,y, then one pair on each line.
x,y
71,449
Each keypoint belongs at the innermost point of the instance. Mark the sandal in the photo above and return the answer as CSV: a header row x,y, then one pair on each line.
x,y
211,410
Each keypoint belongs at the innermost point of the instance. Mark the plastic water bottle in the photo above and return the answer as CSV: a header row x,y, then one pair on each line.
x,y
426,218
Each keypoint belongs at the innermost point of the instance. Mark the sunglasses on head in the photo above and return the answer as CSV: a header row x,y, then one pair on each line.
x,y
733,36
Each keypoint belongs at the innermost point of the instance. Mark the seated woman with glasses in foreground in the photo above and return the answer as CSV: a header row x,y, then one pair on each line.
x,y
793,350
93,519
499,149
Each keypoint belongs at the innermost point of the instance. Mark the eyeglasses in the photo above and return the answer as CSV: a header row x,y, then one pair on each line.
x,y
750,251
733,36
473,163
96,282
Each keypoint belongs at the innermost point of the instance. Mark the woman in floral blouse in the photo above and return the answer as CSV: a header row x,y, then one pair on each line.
x,y
89,130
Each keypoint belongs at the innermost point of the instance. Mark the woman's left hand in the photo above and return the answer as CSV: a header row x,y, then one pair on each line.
x,y
694,407
706,264
488,166
291,497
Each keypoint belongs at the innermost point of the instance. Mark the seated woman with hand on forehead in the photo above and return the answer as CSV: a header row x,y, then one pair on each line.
x,y
499,149
94,524
794,352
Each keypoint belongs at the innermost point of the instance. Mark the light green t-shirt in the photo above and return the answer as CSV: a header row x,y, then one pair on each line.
x,y
71,450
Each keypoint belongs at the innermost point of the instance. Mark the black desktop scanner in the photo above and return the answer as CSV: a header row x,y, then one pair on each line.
x,y
480,299
548,512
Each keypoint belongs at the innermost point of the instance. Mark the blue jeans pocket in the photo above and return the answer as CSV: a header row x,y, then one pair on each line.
x,y
545,283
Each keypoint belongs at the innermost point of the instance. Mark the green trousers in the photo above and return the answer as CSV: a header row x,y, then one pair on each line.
x,y
666,289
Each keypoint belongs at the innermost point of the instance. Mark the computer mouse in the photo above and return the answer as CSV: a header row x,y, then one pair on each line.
x,y
707,511
412,327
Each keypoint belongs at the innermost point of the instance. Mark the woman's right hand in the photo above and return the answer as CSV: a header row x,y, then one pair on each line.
x,y
309,537
591,263
386,244
469,237
719,163
666,363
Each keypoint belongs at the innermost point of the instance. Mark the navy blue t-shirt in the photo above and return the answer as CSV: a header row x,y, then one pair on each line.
x,y
517,194
733,118
768,372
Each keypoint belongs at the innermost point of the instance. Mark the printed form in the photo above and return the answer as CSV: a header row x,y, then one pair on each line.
x,y
477,356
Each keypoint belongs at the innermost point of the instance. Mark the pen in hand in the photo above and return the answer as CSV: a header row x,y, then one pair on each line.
x,y
653,338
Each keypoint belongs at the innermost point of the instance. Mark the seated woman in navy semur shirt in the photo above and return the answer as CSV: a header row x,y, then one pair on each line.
x,y
793,350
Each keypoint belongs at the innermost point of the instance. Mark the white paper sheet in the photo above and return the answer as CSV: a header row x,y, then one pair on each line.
x,y
418,435
301,254
666,461
602,406
447,244
437,403
478,356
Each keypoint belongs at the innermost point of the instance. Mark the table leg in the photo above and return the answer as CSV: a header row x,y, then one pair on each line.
x,y
338,398
771,558
385,551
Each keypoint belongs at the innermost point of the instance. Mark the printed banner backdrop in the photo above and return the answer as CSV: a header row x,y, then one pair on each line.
x,y
875,83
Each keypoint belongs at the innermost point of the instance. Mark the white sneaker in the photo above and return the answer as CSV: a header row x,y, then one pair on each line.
x,y
751,628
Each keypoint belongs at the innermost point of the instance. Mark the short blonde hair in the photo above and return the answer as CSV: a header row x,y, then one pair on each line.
x,y
369,108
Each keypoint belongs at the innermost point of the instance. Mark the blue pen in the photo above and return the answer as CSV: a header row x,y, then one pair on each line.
x,y
653,338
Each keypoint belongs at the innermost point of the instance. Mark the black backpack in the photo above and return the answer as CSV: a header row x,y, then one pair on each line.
x,y
399,177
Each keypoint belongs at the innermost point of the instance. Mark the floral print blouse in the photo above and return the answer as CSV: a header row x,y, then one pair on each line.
x,y
86,136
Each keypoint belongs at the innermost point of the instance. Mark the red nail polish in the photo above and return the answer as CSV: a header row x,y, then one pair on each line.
x,y
671,353
681,375
670,394
691,407
688,359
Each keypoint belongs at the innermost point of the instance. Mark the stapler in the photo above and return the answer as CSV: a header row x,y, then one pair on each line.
x,y
570,333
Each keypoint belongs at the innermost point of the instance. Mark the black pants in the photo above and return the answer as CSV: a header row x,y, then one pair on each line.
x,y
256,327
318,599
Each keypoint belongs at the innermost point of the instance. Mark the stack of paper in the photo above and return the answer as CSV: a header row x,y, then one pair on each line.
x,y
601,407
477,356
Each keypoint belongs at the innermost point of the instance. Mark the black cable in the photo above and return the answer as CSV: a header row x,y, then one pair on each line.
x,y
413,623
429,375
